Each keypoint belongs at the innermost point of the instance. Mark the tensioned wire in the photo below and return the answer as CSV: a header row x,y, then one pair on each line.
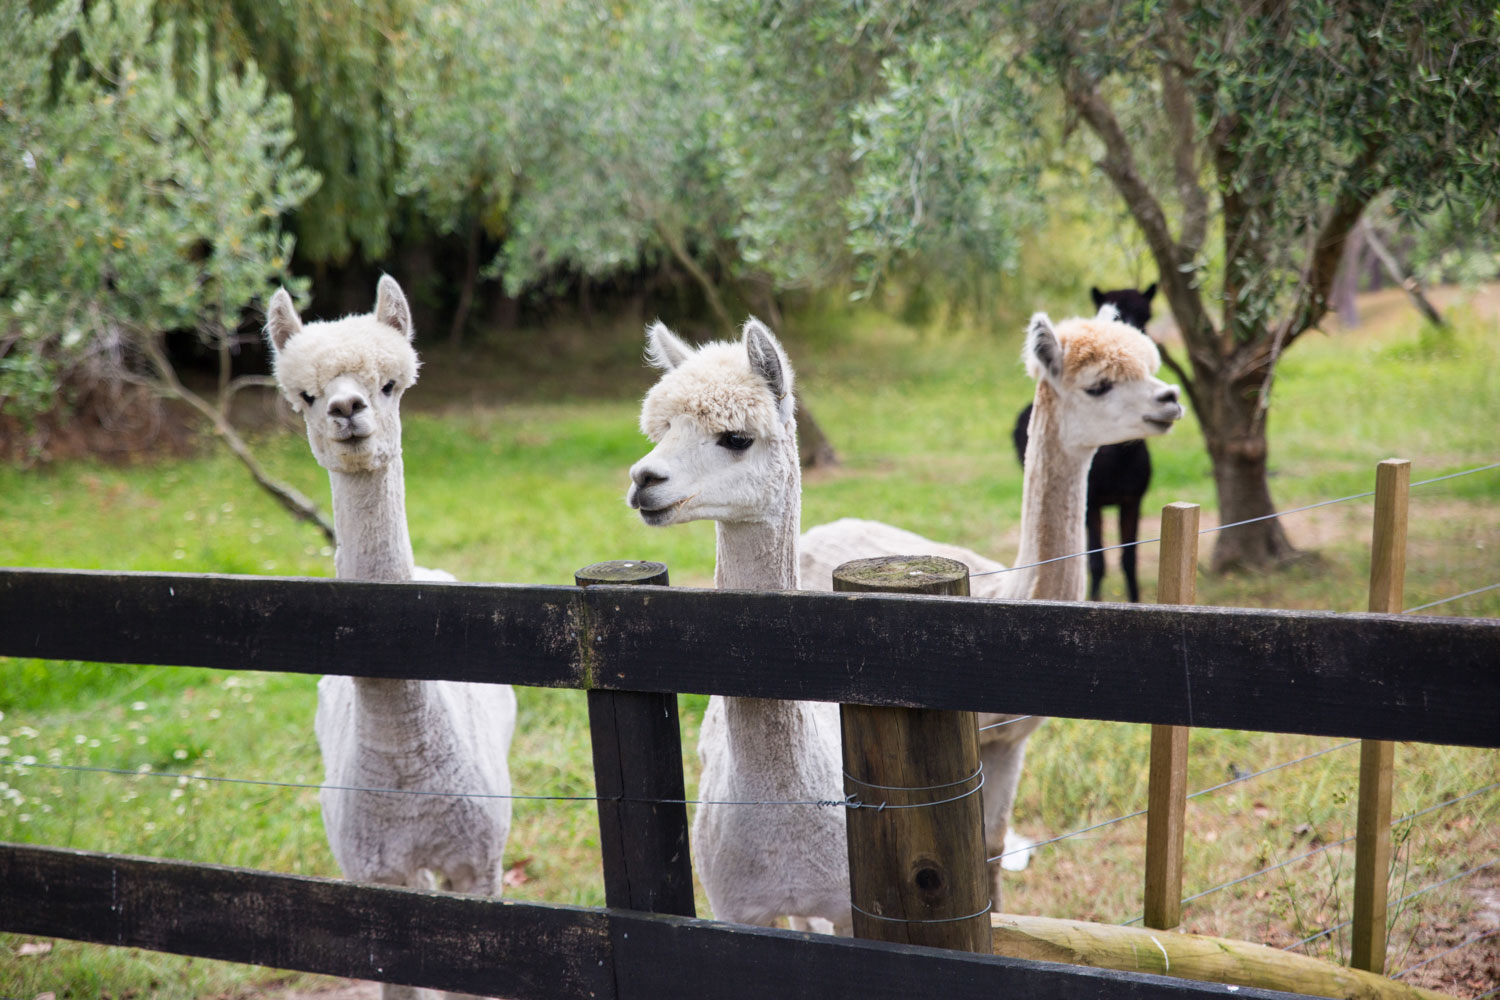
x,y
1236,524
1319,850
848,802
1396,902
1194,795
1457,947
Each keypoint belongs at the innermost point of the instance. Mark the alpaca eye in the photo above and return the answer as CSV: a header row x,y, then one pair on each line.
x,y
389,387
735,442
1100,389
309,399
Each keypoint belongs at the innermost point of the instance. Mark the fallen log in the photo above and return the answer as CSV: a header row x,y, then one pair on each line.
x,y
1190,956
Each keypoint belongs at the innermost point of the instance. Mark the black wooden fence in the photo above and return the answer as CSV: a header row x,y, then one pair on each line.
x,y
1352,675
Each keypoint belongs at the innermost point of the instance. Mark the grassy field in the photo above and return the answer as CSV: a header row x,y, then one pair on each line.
x,y
516,471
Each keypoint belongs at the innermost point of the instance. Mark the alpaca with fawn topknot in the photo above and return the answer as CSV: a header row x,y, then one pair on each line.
x,y
1121,472
721,420
1095,384
445,741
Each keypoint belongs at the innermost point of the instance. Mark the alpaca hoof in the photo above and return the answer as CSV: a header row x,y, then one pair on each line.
x,y
1018,852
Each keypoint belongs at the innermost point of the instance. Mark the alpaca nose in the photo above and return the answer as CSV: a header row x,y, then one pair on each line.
x,y
646,477
1167,395
346,406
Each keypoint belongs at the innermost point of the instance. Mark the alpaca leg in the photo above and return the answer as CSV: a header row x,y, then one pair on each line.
x,y
1094,520
1002,761
1130,522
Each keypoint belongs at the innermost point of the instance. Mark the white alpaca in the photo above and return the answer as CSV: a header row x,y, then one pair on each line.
x,y
1096,385
346,377
721,418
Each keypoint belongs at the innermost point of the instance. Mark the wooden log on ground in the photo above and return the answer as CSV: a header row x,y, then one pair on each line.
x,y
1190,956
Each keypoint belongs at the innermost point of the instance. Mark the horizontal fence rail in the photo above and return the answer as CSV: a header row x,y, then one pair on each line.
x,y
527,951
1373,676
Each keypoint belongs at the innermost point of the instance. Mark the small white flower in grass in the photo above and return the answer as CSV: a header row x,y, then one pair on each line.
x,y
143,769
28,160
214,713
4,741
227,508
80,739
96,743
191,515
27,732
176,794
140,741
326,550
179,554
179,754
26,761
138,706
24,817
150,827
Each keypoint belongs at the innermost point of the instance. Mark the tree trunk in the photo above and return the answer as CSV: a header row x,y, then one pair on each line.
x,y
466,293
1234,428
812,444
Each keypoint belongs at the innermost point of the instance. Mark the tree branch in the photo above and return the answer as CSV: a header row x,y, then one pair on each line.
x,y
298,505
1177,102
710,290
1318,275
1120,167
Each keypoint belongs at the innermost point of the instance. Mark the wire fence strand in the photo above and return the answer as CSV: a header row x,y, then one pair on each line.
x,y
1455,597
848,802
1319,850
1236,524
1427,961
1396,902
1193,795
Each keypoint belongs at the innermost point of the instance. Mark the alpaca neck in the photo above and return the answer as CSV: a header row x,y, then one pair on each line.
x,y
1054,494
762,555
369,521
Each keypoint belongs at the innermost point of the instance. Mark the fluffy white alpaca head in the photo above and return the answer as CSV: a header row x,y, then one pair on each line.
x,y
346,377
1103,373
721,418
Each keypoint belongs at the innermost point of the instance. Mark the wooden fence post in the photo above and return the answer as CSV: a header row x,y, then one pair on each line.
x,y
1176,583
1372,843
638,756
917,871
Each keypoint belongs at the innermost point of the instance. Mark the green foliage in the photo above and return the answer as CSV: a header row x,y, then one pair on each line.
x,y
335,62
924,426
134,201
580,135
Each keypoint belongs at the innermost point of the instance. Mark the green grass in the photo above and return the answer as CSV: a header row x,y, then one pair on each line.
x,y
529,490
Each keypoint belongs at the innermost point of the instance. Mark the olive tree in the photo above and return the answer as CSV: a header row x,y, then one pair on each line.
x,y
1275,124
134,200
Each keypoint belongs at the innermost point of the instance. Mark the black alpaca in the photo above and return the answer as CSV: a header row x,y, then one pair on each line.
x,y
1121,472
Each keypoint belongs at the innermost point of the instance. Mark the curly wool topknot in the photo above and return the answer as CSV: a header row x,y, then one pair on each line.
x,y
718,391
1105,348
361,346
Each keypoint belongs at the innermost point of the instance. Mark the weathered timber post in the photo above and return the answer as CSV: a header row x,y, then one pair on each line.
x,y
1176,583
637,757
917,872
1372,835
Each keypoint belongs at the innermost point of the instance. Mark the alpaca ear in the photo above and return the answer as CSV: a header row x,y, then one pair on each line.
x,y
282,321
391,308
1097,296
768,360
1043,354
664,349
1149,291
